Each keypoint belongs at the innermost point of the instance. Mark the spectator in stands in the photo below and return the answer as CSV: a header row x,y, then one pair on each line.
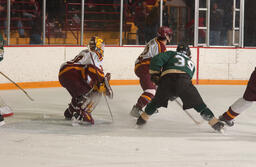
x,y
2,14
56,11
36,31
153,20
16,16
216,24
141,13
31,11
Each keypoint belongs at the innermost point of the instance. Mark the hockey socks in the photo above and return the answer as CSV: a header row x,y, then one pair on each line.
x,y
204,111
151,108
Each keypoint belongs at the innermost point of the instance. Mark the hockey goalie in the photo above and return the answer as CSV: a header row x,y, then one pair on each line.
x,y
84,79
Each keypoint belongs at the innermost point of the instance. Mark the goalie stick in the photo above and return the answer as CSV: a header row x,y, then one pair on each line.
x,y
110,112
30,98
188,114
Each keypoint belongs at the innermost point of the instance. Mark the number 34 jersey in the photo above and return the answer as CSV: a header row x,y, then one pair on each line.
x,y
170,61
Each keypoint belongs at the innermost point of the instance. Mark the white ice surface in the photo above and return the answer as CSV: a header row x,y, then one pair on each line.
x,y
37,135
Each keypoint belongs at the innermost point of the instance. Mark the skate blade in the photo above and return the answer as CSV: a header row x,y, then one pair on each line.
x,y
138,126
2,123
75,122
221,131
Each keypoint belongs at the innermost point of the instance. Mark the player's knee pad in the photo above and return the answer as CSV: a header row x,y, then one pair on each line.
x,y
240,105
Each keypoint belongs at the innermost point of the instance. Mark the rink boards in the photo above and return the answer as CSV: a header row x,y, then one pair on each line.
x,y
38,66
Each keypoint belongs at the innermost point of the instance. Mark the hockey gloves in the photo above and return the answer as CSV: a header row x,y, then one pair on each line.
x,y
155,78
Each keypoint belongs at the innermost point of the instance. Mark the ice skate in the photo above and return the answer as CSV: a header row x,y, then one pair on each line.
x,y
68,114
217,125
228,122
6,111
136,111
142,120
1,120
82,118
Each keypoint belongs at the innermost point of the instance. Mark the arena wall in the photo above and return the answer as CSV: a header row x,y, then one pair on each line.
x,y
40,65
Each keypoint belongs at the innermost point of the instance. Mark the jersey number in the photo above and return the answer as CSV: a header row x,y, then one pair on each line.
x,y
182,62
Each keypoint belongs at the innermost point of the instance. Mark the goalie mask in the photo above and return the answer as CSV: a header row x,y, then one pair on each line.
x,y
97,44
164,33
183,48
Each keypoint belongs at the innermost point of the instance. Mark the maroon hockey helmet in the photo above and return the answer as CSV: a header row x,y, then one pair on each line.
x,y
165,32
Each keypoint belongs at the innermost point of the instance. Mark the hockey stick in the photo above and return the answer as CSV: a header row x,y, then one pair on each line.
x,y
30,98
188,114
108,107
110,112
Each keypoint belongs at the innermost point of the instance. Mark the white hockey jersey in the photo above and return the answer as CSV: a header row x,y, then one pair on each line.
x,y
152,48
88,62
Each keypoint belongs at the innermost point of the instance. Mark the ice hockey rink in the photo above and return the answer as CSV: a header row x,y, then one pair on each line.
x,y
37,135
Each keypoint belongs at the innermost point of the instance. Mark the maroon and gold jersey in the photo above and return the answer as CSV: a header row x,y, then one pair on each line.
x,y
152,48
250,92
88,63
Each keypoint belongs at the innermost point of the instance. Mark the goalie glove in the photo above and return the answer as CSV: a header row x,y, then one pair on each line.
x,y
109,91
104,87
155,78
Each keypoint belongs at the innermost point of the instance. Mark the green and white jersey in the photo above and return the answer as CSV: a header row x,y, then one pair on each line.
x,y
1,48
1,42
165,62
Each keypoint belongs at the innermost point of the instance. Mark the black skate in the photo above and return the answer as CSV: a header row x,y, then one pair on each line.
x,y
1,120
68,114
216,124
140,122
218,127
228,122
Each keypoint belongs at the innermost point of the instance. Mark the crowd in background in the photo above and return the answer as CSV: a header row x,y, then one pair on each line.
x,y
26,19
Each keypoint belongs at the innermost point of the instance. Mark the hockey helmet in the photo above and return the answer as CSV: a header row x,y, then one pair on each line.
x,y
183,48
97,44
164,32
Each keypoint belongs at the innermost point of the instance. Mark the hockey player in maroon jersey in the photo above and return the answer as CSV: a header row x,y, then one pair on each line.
x,y
84,79
155,46
241,104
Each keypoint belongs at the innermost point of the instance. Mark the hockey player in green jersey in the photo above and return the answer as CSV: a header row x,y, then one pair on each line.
x,y
1,48
172,72
1,58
